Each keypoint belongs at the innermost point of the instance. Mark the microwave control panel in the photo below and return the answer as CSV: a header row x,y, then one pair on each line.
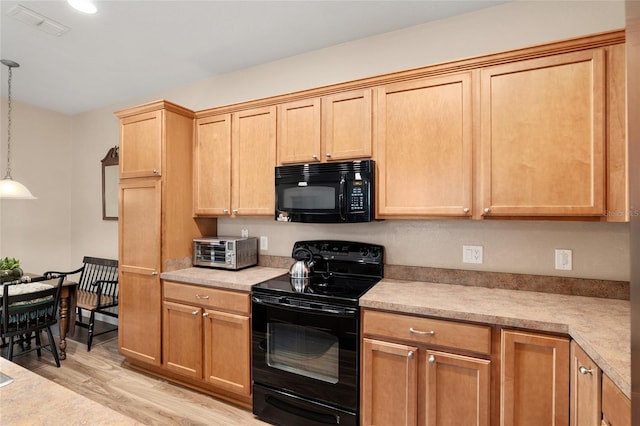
x,y
356,196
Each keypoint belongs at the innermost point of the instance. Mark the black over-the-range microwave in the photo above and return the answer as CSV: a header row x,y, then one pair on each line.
x,y
340,192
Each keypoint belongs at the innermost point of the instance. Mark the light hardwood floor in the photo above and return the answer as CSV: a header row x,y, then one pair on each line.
x,y
99,375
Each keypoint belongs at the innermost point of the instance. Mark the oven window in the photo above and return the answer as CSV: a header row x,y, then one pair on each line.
x,y
303,350
308,197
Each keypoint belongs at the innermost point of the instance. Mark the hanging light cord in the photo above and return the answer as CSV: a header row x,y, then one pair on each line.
x,y
8,175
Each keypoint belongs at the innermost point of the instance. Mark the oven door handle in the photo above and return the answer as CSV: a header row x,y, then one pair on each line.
x,y
342,200
283,303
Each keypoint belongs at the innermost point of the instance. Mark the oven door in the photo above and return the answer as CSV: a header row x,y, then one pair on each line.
x,y
307,349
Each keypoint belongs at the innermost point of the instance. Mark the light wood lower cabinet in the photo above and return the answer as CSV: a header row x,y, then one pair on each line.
x,y
206,337
595,399
586,379
534,379
389,383
408,384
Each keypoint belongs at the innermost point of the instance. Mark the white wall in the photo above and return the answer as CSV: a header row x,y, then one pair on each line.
x,y
600,250
38,232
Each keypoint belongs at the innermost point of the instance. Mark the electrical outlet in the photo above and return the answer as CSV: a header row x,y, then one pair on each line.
x,y
264,243
244,233
564,259
472,254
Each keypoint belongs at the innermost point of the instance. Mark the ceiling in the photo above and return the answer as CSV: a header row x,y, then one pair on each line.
x,y
132,49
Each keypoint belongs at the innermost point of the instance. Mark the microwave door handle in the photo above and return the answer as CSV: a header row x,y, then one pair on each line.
x,y
342,199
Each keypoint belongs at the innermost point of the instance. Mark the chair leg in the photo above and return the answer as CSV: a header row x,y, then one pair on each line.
x,y
38,344
52,345
10,350
92,318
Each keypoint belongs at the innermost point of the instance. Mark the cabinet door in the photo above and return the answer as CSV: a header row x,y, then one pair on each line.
x,y
534,382
182,339
389,384
457,389
254,160
212,166
141,139
616,407
140,308
299,131
424,148
585,389
347,125
543,136
227,351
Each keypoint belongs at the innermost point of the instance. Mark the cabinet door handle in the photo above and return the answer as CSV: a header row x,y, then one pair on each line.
x,y
199,296
315,157
225,211
204,315
410,355
487,210
430,333
327,155
155,171
194,313
154,273
235,211
431,359
465,210
584,370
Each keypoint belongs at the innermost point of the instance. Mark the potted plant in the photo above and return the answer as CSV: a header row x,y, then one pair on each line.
x,y
10,269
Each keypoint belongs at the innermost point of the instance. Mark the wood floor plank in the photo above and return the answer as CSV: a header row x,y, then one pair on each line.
x,y
101,376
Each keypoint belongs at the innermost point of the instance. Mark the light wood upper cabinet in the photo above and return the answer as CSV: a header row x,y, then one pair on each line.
x,y
212,166
534,381
234,160
330,128
142,140
424,148
543,135
299,131
253,156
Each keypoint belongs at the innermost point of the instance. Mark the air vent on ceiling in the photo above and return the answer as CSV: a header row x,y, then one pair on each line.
x,y
38,21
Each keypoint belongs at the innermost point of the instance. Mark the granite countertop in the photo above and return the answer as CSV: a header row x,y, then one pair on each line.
x,y
233,280
600,326
31,399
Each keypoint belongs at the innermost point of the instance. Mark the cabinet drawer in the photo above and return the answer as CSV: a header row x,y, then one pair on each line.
x,y
225,300
427,331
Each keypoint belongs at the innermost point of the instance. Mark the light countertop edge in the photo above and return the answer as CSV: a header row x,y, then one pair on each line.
x,y
32,399
240,280
600,326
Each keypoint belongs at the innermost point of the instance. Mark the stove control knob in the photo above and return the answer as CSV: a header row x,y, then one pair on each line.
x,y
364,252
375,252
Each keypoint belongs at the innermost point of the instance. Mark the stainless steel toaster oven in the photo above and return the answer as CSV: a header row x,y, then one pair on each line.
x,y
225,252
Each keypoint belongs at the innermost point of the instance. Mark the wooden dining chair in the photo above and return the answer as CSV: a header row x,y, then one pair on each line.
x,y
30,308
97,292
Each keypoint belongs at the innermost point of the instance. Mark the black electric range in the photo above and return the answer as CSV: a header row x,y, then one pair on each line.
x,y
343,271
306,338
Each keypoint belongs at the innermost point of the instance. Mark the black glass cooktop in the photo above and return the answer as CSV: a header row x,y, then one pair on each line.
x,y
341,272
335,289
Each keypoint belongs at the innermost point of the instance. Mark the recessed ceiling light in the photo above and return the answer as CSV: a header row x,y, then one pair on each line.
x,y
85,6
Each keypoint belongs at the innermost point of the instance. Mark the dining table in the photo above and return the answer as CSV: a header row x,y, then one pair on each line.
x,y
67,311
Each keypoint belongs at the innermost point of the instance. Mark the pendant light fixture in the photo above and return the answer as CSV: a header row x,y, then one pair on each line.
x,y
9,188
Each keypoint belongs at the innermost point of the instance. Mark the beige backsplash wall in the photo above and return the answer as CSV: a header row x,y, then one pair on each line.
x,y
600,250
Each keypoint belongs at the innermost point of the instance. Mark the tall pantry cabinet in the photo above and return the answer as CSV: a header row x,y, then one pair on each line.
x,y
156,226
